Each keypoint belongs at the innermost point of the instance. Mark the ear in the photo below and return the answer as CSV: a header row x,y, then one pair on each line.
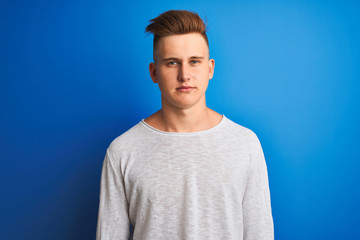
x,y
211,68
153,73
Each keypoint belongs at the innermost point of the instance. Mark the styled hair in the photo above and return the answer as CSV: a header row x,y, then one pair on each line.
x,y
175,22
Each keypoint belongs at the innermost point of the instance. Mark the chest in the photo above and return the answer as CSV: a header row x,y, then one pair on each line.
x,y
180,168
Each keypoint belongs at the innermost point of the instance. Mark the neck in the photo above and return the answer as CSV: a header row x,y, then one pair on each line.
x,y
184,120
192,119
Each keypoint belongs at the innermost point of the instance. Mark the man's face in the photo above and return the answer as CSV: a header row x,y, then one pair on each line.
x,y
182,70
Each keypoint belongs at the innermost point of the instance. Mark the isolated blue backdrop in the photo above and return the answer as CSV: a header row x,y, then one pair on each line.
x,y
74,76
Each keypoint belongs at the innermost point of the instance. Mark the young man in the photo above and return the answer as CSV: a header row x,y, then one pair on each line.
x,y
185,172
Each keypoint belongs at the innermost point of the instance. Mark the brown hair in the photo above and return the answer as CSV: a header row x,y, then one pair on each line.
x,y
176,22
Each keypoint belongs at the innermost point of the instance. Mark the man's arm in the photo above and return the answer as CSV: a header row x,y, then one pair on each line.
x,y
258,221
113,217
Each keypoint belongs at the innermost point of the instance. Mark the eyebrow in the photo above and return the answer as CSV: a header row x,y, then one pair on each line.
x,y
177,59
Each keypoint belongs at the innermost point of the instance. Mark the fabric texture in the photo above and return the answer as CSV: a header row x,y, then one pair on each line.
x,y
205,185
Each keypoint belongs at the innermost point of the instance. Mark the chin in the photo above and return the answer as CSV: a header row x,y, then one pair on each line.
x,y
183,102
186,104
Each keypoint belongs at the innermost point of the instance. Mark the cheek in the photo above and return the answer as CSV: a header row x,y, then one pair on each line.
x,y
166,80
203,73
167,75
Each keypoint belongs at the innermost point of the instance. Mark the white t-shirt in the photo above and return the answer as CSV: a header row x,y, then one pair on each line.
x,y
211,184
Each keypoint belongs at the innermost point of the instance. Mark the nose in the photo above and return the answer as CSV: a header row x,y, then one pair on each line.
x,y
184,73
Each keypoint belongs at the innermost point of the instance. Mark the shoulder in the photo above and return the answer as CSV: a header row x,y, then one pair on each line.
x,y
241,135
238,130
249,140
128,140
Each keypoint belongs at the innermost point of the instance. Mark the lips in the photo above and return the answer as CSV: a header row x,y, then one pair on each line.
x,y
185,88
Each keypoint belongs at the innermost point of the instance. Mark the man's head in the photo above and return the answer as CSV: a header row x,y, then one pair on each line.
x,y
175,22
181,68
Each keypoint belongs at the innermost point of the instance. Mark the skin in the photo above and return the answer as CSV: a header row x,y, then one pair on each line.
x,y
182,70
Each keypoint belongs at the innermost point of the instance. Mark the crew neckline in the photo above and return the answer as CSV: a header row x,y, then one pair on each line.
x,y
153,129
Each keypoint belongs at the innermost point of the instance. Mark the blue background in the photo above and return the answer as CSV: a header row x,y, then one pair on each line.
x,y
74,75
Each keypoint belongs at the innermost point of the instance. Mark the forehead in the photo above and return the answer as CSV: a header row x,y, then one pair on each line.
x,y
182,46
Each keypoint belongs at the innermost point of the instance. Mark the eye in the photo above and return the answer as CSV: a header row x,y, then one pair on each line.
x,y
172,63
194,62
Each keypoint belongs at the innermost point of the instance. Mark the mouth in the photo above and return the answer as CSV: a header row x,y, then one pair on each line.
x,y
185,89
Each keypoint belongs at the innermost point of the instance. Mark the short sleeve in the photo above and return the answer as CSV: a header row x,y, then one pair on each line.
x,y
257,216
113,216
